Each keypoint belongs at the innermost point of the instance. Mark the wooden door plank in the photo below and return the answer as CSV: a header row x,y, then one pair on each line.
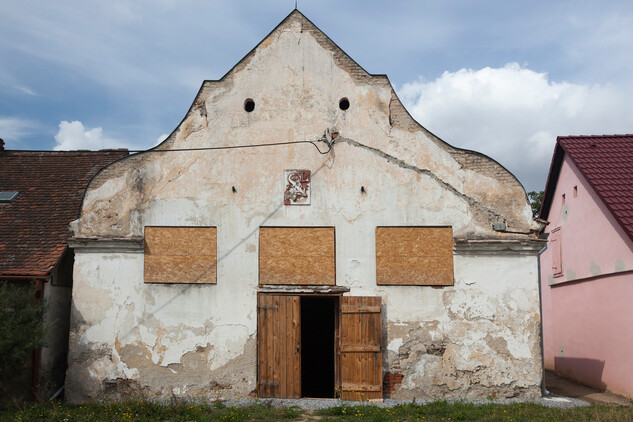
x,y
354,309
290,348
270,350
260,345
361,348
278,334
337,347
275,346
264,349
283,348
296,345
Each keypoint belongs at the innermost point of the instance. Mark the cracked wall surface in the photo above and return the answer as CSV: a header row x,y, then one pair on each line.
x,y
477,338
183,340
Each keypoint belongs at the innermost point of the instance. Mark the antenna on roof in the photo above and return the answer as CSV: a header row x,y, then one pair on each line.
x,y
296,1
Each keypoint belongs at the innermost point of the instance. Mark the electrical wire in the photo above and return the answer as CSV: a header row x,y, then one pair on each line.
x,y
241,146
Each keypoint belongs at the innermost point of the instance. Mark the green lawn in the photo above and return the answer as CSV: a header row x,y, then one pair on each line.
x,y
437,411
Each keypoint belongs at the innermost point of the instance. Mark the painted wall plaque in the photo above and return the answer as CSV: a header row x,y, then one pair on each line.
x,y
297,190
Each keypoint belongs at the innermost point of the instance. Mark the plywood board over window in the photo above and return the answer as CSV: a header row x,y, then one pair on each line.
x,y
297,255
180,255
420,256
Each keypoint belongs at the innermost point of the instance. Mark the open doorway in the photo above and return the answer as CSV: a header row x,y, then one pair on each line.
x,y
318,321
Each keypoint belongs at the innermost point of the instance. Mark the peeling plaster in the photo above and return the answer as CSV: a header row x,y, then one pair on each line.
x,y
468,340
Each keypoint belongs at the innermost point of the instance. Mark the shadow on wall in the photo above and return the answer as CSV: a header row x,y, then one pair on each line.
x,y
585,371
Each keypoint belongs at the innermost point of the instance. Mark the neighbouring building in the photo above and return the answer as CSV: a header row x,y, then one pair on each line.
x,y
40,194
587,269
300,235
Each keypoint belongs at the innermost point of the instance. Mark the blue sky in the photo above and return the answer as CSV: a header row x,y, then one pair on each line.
x,y
501,77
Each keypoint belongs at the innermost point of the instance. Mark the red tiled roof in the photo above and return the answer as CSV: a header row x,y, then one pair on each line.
x,y
607,163
51,185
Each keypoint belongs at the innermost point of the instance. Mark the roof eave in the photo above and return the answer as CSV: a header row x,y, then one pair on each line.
x,y
552,180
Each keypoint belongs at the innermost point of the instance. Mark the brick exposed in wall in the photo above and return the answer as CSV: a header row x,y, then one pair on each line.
x,y
391,382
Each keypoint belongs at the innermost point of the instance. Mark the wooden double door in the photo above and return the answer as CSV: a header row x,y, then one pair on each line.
x,y
319,346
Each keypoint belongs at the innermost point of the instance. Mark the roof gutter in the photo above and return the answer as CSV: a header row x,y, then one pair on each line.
x,y
44,278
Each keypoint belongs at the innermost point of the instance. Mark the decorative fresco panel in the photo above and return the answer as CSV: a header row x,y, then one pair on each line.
x,y
297,190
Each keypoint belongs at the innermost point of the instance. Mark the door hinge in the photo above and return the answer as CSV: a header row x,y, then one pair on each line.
x,y
274,384
268,307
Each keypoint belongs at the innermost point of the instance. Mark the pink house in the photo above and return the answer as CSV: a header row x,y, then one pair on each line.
x,y
587,268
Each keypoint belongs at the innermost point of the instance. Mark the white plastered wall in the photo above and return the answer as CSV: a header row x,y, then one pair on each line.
x,y
469,340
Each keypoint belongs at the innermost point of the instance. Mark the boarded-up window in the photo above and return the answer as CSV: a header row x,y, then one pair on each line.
x,y
180,254
557,257
297,255
414,256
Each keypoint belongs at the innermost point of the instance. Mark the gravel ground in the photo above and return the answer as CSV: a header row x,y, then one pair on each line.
x,y
314,404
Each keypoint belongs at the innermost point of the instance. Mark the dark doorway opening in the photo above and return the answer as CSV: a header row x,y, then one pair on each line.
x,y
318,316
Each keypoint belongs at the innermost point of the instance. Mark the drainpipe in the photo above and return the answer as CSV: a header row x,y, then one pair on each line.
x,y
540,305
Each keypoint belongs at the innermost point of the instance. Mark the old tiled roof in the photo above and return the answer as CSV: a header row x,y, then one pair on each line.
x,y
51,185
607,163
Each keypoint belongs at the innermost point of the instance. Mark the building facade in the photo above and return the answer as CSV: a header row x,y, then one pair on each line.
x,y
300,235
587,269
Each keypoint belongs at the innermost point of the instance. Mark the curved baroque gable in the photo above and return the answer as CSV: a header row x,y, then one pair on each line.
x,y
296,78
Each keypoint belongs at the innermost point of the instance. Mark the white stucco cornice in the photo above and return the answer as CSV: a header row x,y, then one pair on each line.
x,y
302,289
94,244
497,247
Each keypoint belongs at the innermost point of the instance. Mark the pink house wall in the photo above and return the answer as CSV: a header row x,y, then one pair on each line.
x,y
588,310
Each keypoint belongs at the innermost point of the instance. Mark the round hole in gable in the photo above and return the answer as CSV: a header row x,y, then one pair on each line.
x,y
343,104
249,105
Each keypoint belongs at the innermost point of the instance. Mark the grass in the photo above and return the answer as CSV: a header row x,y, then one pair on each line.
x,y
443,411
141,410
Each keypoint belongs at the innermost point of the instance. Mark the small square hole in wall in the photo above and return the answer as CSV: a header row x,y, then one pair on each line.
x,y
575,191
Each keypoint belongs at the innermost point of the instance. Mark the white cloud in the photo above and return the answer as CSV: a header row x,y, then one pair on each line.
x,y
73,135
26,90
12,87
514,114
15,128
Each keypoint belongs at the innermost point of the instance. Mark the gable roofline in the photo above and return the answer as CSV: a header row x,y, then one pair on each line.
x,y
248,56
560,151
334,46
295,12
365,74
343,60
552,180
